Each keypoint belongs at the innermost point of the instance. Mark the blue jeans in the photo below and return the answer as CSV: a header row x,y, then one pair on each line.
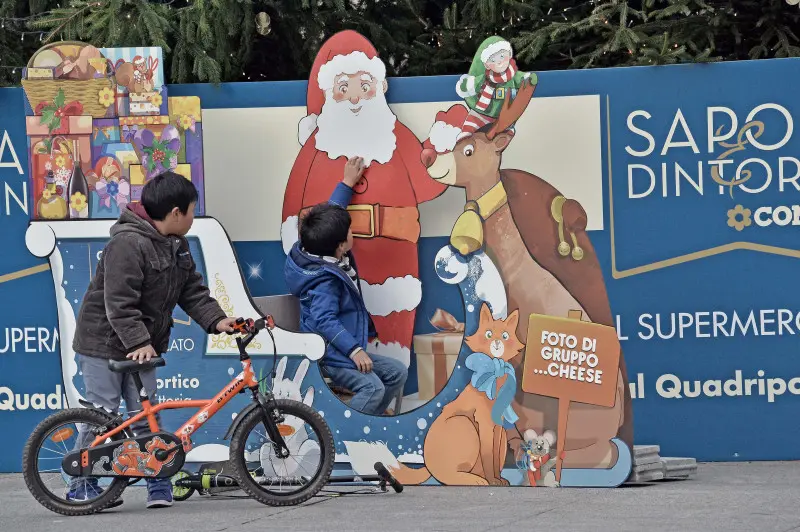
x,y
372,391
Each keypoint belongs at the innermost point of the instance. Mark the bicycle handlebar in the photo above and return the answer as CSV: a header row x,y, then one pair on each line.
x,y
251,326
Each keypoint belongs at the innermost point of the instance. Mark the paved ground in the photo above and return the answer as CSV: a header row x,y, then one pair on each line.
x,y
724,497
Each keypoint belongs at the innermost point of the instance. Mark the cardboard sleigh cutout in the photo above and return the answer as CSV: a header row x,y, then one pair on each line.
x,y
119,147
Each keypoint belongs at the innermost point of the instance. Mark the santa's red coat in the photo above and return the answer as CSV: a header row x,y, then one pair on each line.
x,y
401,182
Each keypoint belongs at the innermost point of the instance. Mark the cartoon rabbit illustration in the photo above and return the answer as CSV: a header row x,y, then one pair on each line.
x,y
305,453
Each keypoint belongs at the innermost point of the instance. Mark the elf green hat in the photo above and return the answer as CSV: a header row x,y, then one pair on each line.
x,y
487,49
491,46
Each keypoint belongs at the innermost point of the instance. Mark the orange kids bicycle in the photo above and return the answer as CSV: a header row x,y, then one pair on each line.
x,y
97,449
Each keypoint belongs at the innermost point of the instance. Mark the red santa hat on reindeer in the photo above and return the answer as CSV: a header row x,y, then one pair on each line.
x,y
437,155
348,54
444,133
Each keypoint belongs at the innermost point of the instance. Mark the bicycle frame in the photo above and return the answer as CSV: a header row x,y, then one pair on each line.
x,y
208,408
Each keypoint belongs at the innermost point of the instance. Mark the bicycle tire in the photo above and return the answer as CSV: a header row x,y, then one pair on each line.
x,y
30,461
327,452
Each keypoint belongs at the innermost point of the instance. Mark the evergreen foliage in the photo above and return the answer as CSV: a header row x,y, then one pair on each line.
x,y
216,40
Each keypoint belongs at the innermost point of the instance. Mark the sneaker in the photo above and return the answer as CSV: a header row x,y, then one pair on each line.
x,y
85,490
159,493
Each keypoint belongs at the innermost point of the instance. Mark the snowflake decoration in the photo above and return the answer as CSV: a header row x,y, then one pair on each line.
x,y
254,271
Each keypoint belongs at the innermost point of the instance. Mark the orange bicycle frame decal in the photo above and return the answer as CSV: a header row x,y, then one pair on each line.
x,y
208,408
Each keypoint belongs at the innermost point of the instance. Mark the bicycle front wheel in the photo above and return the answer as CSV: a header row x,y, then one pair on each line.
x,y
283,481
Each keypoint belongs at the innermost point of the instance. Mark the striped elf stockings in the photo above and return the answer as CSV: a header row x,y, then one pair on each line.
x,y
476,118
473,122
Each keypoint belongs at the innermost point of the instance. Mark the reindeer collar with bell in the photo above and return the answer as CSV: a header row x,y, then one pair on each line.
x,y
490,202
467,233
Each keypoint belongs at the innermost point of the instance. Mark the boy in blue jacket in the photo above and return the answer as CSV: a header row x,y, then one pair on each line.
x,y
321,271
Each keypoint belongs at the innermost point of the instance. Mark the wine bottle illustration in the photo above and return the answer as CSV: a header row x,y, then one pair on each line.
x,y
78,188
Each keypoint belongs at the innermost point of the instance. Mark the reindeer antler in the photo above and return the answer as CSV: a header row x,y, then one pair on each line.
x,y
512,110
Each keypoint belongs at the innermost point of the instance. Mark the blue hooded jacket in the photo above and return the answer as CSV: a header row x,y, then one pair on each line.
x,y
330,303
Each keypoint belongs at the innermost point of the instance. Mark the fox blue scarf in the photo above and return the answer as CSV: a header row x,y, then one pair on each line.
x,y
486,371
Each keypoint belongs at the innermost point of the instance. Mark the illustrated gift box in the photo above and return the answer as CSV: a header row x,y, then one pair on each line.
x,y
139,178
186,115
437,354
72,127
104,131
130,125
54,152
150,58
150,103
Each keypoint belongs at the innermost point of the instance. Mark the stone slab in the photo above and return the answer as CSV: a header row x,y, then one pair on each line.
x,y
646,459
669,462
680,473
655,466
647,476
646,449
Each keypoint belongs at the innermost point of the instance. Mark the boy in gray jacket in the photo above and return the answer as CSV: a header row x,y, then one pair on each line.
x,y
145,270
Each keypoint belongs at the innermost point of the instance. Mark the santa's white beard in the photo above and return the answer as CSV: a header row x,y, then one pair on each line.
x,y
368,134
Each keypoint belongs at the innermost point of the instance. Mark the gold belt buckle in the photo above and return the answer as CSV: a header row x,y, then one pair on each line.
x,y
371,209
500,93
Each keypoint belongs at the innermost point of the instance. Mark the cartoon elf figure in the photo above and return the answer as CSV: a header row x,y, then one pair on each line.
x,y
491,76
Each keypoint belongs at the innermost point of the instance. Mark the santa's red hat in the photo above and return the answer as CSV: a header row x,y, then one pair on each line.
x,y
346,52
444,133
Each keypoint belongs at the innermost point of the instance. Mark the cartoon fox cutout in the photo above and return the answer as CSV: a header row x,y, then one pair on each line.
x,y
467,445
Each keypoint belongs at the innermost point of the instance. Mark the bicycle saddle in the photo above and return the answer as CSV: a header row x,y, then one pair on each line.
x,y
129,366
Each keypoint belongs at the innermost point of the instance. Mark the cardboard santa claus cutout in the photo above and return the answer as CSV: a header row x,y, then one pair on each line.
x,y
348,116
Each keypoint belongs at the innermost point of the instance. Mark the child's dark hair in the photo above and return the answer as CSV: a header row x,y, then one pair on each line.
x,y
323,228
165,192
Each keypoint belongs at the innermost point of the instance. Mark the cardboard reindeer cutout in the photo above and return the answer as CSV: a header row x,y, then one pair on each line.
x,y
537,238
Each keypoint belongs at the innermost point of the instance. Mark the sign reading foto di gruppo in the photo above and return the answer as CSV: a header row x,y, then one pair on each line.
x,y
573,361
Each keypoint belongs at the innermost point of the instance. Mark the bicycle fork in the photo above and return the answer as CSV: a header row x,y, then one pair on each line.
x,y
271,418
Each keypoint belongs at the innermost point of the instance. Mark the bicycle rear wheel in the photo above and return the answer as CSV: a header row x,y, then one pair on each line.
x,y
54,438
283,481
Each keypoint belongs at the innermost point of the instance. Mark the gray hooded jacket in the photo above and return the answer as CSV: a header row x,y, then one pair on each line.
x,y
141,277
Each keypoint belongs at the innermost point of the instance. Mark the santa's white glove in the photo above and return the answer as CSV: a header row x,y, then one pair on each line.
x,y
289,234
466,86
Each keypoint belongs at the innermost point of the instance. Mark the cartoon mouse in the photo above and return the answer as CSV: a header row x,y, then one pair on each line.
x,y
539,458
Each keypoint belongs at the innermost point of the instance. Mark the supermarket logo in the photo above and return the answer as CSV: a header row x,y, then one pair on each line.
x,y
739,217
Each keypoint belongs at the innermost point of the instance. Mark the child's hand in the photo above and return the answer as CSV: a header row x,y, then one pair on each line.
x,y
143,354
226,325
353,171
362,361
